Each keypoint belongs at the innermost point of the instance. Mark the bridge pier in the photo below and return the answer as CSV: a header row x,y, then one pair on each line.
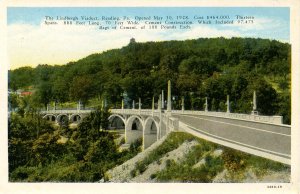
x,y
150,127
254,111
133,129
182,104
206,105
228,104
169,108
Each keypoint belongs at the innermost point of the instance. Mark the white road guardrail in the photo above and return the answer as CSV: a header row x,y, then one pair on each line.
x,y
149,112
239,116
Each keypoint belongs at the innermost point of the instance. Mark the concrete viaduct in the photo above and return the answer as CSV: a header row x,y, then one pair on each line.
x,y
260,135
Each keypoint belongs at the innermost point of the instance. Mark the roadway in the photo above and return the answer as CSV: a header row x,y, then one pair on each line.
x,y
262,137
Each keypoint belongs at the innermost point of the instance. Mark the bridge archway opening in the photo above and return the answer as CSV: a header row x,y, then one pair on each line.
x,y
51,118
116,122
62,119
76,118
150,132
133,129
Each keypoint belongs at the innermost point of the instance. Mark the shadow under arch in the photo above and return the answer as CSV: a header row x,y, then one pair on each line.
x,y
150,132
60,118
75,118
50,117
114,122
134,128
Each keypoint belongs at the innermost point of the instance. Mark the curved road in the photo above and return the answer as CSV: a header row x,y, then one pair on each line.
x,y
262,137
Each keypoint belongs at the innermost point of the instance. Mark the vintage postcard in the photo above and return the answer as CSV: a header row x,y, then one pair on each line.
x,y
143,97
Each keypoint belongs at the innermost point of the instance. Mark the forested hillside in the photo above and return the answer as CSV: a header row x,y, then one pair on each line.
x,y
212,68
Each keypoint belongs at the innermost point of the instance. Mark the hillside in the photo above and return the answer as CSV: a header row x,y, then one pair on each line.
x,y
40,151
181,157
213,68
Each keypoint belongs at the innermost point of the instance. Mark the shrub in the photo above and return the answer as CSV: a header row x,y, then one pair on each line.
x,y
234,160
153,176
141,167
21,173
133,173
122,141
136,145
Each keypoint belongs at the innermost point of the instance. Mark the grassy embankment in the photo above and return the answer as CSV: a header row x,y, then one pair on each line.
x,y
236,163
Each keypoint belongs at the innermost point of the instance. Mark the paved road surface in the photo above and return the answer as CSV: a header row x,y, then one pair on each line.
x,y
269,138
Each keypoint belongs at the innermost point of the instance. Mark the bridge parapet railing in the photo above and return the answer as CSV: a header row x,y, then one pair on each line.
x,y
66,111
149,112
258,118
173,123
146,112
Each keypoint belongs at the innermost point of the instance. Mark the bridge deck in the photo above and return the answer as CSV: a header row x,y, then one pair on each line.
x,y
274,139
262,133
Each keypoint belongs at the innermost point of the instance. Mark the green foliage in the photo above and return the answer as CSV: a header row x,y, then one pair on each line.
x,y
262,165
36,154
134,149
234,160
172,142
133,173
90,128
81,88
153,176
213,68
140,167
21,78
46,148
101,150
67,169
136,145
184,172
24,141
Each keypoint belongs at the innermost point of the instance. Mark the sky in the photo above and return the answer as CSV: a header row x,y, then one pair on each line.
x,y
32,42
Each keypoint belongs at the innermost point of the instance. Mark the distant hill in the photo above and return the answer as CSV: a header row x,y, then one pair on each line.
x,y
205,67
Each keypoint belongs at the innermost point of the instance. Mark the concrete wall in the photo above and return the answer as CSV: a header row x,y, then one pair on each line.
x,y
248,117
132,135
149,139
163,130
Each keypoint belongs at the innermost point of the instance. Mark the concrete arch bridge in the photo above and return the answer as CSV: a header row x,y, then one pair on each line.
x,y
69,115
150,125
256,134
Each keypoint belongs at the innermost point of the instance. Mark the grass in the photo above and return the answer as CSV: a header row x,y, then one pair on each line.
x,y
93,102
172,142
236,163
186,172
279,84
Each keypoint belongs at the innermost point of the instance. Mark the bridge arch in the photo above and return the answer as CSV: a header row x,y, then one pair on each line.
x,y
62,118
114,121
134,128
116,115
150,134
75,118
50,117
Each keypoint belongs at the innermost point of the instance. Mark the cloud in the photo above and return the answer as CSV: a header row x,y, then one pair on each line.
x,y
60,44
259,23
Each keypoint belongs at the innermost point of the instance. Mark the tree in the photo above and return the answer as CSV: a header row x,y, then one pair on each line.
x,y
20,78
81,89
13,101
44,93
46,149
103,149
60,89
